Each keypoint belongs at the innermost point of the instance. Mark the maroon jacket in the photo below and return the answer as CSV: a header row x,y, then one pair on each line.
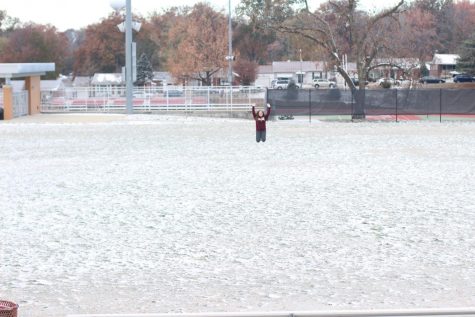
x,y
260,122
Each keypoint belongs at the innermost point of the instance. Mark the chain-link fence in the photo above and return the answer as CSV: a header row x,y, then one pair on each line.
x,y
396,103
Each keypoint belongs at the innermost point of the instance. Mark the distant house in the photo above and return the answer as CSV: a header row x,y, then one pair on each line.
x,y
265,75
52,85
443,65
108,84
52,88
81,81
80,87
300,71
162,78
402,67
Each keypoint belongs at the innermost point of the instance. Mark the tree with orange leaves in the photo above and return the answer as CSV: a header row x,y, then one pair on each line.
x,y
198,44
33,43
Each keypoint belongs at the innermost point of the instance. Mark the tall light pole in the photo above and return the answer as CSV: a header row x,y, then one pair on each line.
x,y
230,52
119,5
128,57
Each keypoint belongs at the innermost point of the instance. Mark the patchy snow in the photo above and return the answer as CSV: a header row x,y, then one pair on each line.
x,y
173,214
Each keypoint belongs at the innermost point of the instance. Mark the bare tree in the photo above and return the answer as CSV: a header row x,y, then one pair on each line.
x,y
366,35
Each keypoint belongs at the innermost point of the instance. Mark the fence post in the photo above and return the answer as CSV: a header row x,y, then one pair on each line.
x,y
231,95
396,106
440,105
209,98
353,91
310,106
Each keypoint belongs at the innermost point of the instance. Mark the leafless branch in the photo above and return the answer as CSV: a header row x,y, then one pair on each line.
x,y
383,14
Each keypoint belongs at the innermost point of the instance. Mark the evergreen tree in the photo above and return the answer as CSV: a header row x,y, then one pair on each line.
x,y
144,70
424,70
466,63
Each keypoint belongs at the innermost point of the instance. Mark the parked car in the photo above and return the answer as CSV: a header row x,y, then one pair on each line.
x,y
356,81
431,80
281,84
173,93
391,81
323,83
142,94
463,78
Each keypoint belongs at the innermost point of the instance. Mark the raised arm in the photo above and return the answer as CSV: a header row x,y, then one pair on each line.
x,y
268,111
253,112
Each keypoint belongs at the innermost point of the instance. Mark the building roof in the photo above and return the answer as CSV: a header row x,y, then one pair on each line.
x,y
15,70
51,84
107,79
265,69
401,62
445,59
297,66
162,76
81,81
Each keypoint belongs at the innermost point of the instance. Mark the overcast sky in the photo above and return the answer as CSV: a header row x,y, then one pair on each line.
x,y
65,14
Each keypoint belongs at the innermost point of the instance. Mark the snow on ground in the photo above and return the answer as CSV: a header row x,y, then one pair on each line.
x,y
175,214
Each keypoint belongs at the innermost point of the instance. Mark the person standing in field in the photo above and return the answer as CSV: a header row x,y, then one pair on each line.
x,y
261,119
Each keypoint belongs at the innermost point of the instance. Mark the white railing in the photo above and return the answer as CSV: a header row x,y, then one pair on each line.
x,y
467,311
152,99
20,104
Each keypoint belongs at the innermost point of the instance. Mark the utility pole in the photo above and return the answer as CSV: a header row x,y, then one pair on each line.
x,y
128,56
230,56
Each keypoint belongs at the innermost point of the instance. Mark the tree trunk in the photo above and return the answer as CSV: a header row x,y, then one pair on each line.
x,y
359,105
359,95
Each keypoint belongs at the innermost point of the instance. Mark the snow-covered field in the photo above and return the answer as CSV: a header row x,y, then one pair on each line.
x,y
175,214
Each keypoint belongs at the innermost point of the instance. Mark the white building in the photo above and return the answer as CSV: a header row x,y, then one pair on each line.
x,y
443,65
300,71
108,84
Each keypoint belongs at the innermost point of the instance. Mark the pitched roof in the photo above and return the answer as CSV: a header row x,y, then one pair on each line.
x,y
107,79
81,81
401,62
445,59
51,84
